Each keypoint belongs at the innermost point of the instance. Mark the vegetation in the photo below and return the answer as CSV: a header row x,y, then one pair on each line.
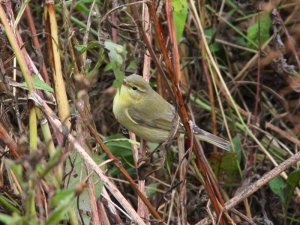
x,y
230,66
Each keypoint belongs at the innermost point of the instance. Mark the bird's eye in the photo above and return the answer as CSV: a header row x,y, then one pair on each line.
x,y
134,88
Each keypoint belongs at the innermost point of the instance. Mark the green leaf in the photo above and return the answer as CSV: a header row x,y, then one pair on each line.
x,y
180,12
9,203
62,203
132,65
80,6
226,166
61,196
237,145
38,84
116,55
11,220
20,13
292,183
100,61
41,85
17,169
214,47
77,171
83,48
119,145
151,189
259,30
277,186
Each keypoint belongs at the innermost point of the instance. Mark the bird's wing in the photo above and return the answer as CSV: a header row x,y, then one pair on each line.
x,y
161,120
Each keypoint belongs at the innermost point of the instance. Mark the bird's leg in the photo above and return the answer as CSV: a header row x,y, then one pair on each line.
x,y
150,163
124,130
161,152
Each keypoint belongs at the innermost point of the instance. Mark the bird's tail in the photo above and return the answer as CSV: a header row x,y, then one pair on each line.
x,y
203,135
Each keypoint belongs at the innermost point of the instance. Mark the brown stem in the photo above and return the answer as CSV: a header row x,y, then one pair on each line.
x,y
11,144
203,166
35,42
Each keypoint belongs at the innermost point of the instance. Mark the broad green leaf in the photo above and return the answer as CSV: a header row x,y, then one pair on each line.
x,y
119,145
180,12
226,166
61,196
292,183
259,30
41,85
277,186
116,55
62,203
38,84
78,173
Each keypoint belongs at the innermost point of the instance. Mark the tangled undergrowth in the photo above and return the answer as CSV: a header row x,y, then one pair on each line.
x,y
230,66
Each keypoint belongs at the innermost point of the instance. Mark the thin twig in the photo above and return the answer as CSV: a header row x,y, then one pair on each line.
x,y
262,181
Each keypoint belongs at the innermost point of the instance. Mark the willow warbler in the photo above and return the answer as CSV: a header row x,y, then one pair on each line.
x,y
143,111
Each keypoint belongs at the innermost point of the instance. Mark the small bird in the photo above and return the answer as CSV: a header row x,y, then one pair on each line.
x,y
144,112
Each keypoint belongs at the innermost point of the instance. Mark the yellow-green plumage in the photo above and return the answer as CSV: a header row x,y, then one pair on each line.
x,y
143,111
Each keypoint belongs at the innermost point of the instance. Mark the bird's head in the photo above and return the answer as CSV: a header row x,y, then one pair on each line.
x,y
134,88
